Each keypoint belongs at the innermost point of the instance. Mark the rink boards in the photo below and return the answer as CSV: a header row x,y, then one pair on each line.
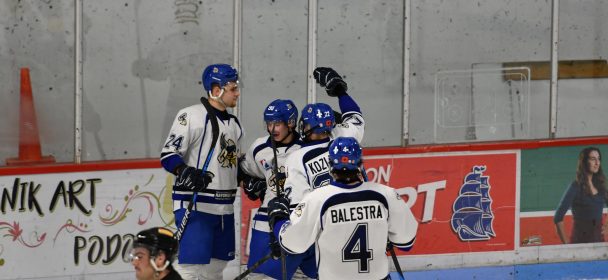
x,y
67,220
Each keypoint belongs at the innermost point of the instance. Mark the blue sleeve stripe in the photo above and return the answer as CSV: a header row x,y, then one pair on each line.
x,y
277,228
260,217
171,162
348,104
350,113
407,246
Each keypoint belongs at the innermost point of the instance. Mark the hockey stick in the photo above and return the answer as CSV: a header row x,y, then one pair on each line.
x,y
279,194
215,131
254,267
391,250
275,169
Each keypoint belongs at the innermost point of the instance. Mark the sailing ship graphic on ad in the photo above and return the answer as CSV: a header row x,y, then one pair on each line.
x,y
472,218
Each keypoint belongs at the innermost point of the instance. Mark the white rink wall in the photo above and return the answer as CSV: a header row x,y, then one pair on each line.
x,y
143,59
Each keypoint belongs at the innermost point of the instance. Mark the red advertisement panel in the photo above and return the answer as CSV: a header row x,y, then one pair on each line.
x,y
463,202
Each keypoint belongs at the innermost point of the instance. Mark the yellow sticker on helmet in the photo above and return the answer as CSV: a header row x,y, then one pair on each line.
x,y
165,231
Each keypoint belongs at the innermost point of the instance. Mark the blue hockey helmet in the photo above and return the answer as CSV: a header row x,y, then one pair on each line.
x,y
281,110
345,154
219,74
319,116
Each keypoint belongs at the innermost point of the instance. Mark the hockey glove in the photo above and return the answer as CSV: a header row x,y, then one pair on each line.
x,y
278,210
192,179
330,80
275,247
255,189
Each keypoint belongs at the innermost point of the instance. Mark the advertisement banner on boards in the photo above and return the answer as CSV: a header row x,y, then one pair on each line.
x,y
78,223
464,202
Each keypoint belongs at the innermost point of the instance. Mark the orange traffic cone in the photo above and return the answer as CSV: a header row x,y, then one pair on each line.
x,y
29,142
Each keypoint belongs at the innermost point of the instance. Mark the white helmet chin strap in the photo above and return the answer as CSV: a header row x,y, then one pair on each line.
x,y
218,98
159,269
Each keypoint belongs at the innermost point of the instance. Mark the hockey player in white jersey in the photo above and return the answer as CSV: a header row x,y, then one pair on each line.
x,y
257,170
348,220
208,241
308,168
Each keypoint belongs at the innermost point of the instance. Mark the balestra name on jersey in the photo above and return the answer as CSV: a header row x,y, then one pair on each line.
x,y
356,213
318,165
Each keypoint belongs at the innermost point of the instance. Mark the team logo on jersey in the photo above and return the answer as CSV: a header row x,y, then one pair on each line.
x,y
227,156
298,209
182,119
472,218
280,179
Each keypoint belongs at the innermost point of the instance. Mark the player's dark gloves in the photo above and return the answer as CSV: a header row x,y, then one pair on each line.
x,y
192,179
275,247
255,189
278,209
330,80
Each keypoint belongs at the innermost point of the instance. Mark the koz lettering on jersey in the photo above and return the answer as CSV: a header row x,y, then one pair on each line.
x,y
318,165
318,170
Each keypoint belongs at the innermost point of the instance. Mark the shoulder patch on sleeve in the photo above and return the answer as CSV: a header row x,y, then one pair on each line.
x,y
298,209
397,195
182,119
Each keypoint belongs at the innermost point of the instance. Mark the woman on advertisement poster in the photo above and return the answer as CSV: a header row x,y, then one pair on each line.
x,y
586,196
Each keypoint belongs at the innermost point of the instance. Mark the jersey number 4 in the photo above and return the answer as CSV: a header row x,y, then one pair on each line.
x,y
356,249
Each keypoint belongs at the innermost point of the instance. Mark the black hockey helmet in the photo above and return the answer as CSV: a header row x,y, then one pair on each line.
x,y
157,239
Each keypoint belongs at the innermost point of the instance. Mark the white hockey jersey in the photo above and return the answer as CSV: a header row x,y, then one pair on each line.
x,y
308,168
190,140
259,163
350,226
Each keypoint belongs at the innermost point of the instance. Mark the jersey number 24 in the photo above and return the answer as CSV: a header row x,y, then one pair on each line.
x,y
174,141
